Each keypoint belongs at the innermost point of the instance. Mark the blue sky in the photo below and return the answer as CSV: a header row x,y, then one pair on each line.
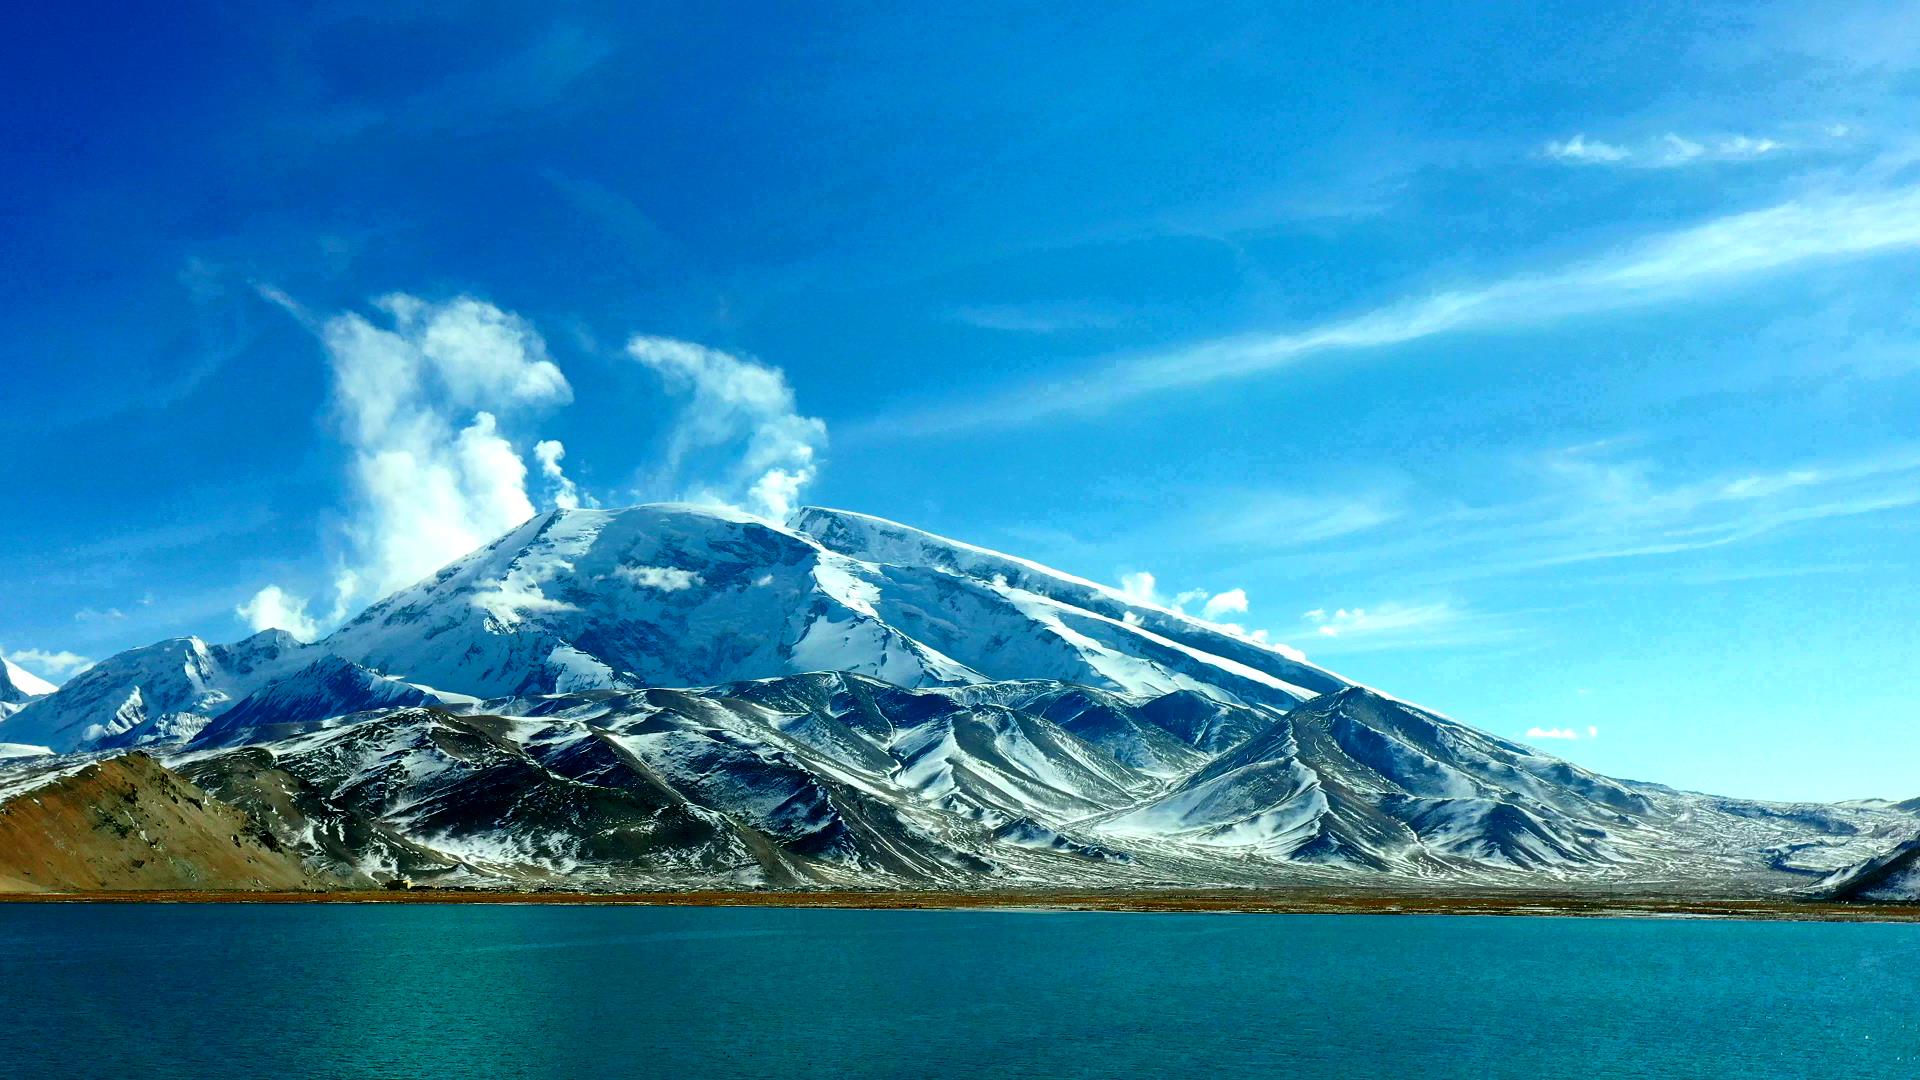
x,y
1558,370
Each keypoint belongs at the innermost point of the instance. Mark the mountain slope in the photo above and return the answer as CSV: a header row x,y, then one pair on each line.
x,y
18,689
678,695
328,688
1891,875
687,596
18,685
128,824
664,595
834,780
161,693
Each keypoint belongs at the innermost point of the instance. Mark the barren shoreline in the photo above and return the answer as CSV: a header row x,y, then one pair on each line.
x,y
1281,902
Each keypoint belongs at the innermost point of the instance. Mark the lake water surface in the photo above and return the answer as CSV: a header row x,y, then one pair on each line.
x,y
392,990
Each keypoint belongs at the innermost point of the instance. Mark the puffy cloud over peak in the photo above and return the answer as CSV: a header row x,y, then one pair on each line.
x,y
420,404
272,609
562,492
427,396
734,401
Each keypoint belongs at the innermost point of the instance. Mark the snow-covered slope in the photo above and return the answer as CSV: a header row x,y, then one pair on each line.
x,y
650,596
18,689
959,598
1891,875
18,685
324,690
838,779
673,694
161,693
1358,779
690,596
687,596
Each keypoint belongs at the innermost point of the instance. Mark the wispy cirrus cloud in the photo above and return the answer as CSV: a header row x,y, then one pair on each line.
x,y
1613,502
1614,507
1397,625
1669,151
542,73
1272,519
1040,318
1562,733
1716,254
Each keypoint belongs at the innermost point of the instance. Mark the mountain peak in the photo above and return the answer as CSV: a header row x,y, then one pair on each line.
x,y
17,684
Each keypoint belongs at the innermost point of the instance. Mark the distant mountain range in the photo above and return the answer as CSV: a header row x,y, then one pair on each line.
x,y
681,696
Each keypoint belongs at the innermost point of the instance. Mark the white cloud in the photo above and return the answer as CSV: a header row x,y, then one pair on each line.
x,y
1385,619
1285,650
1582,149
423,402
663,578
1661,268
1142,588
561,490
733,400
1565,733
430,486
1226,603
112,614
56,665
272,609
419,403
1139,587
1666,152
1394,625
1189,596
517,593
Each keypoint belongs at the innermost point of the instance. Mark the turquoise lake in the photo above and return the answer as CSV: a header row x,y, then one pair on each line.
x,y
377,991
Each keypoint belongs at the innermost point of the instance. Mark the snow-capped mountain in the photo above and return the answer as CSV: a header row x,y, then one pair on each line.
x,y
18,689
680,694
686,596
19,686
160,693
689,596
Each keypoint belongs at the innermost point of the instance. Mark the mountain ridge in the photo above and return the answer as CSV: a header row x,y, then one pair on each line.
x,y
684,695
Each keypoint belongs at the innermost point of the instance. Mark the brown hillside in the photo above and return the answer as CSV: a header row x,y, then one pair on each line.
x,y
130,824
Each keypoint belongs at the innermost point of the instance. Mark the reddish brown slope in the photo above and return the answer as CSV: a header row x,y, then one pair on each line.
x,y
130,824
